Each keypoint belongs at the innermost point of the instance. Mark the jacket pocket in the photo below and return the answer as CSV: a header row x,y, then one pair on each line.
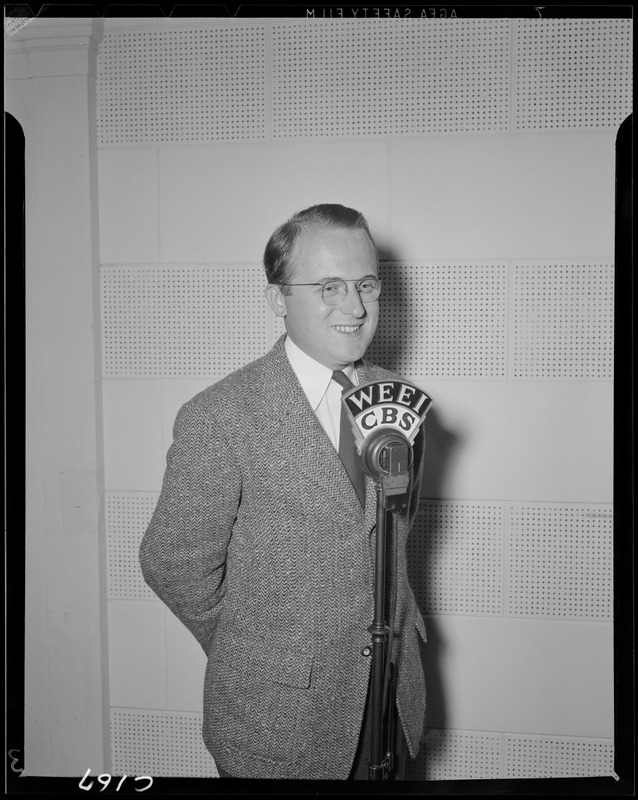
x,y
250,662
258,698
287,668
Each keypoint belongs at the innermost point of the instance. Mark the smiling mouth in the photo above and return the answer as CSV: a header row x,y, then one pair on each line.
x,y
347,328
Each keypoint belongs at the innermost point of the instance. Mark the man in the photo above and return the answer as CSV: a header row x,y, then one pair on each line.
x,y
259,542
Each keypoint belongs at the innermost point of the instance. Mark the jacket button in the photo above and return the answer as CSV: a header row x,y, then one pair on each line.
x,y
366,651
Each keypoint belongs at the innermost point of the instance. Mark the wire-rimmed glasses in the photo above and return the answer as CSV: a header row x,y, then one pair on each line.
x,y
335,290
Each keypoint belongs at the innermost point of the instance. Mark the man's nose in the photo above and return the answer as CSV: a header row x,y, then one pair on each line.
x,y
353,304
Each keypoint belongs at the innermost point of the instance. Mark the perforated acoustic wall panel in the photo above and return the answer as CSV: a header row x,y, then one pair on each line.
x,y
563,320
127,517
457,755
573,74
160,744
463,755
329,78
560,561
557,757
381,77
455,558
556,560
181,321
170,86
443,320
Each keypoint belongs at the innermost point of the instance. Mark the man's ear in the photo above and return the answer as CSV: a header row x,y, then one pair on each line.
x,y
276,299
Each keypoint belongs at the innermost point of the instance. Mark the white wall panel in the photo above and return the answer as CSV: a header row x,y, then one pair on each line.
x,y
183,85
129,206
137,654
65,660
159,744
563,320
390,77
221,204
560,561
127,517
185,666
572,73
494,197
134,458
458,755
543,560
557,757
182,320
455,561
465,755
446,320
524,440
523,676
547,320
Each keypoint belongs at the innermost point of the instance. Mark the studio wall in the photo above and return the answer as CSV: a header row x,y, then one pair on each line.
x,y
482,153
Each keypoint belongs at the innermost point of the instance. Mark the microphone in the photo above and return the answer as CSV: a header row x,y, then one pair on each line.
x,y
385,417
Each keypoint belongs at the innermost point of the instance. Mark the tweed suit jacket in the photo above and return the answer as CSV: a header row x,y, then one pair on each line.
x,y
260,546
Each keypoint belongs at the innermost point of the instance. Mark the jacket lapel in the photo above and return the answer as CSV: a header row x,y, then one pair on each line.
x,y
296,435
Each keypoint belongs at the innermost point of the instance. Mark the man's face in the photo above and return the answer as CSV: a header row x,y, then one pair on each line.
x,y
333,335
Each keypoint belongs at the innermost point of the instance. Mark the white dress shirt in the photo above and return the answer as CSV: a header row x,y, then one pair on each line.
x,y
324,394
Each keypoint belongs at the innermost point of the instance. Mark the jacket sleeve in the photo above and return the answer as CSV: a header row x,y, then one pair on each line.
x,y
183,552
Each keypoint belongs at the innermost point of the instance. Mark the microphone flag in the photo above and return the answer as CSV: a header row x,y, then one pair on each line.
x,y
393,406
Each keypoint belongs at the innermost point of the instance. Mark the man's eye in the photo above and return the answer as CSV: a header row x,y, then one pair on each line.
x,y
331,288
366,286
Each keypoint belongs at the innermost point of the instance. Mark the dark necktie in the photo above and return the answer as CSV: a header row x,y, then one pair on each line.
x,y
347,449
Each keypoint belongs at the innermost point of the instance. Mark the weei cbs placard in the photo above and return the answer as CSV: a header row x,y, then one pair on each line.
x,y
385,406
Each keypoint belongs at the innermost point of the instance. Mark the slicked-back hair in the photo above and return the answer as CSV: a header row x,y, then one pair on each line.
x,y
277,261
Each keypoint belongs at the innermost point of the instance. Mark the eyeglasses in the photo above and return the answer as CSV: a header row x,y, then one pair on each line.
x,y
334,292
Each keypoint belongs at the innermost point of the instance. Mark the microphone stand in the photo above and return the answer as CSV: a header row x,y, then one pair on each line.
x,y
385,453
388,458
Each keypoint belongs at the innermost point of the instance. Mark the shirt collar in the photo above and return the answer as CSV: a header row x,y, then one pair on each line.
x,y
313,376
